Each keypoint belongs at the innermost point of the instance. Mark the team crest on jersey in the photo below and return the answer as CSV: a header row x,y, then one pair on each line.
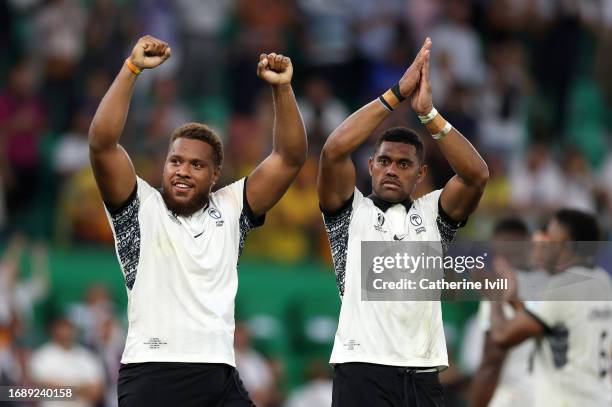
x,y
216,215
380,221
417,221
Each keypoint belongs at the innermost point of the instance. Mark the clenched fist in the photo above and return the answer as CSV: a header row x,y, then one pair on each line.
x,y
149,52
276,69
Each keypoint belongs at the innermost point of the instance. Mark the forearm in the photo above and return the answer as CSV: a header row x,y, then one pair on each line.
x,y
109,120
498,323
354,131
484,385
289,133
487,376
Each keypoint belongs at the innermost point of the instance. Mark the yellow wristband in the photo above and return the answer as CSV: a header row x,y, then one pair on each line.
x,y
132,67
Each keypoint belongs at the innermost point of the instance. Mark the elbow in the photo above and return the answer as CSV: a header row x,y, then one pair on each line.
x,y
480,177
483,176
500,339
97,142
293,160
331,152
296,159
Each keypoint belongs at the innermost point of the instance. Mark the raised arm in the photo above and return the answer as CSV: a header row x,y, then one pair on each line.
x,y
271,179
462,192
336,180
111,165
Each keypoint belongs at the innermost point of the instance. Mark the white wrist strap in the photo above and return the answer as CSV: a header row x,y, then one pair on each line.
x,y
429,116
447,128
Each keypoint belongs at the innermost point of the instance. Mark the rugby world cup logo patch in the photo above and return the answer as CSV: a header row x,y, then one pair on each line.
x,y
380,221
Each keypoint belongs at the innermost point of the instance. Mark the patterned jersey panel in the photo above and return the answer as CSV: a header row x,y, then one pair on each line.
x,y
127,238
447,227
337,228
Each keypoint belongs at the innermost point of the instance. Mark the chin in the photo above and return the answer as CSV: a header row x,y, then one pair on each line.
x,y
184,207
391,196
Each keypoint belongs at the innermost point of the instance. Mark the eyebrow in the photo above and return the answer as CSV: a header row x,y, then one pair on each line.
x,y
403,159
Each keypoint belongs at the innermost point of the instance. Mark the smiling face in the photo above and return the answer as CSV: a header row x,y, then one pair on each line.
x,y
395,170
189,175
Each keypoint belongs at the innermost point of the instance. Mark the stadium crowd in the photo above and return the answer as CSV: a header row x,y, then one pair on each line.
x,y
526,81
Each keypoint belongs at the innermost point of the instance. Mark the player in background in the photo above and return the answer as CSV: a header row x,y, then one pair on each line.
x,y
504,377
572,358
179,247
389,353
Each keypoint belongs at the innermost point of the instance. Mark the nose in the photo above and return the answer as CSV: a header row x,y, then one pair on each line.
x,y
391,170
183,171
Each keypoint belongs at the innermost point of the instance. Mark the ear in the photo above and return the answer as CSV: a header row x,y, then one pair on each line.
x,y
422,173
370,164
215,176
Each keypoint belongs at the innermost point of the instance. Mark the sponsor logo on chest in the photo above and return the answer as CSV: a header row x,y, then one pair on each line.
x,y
417,222
216,215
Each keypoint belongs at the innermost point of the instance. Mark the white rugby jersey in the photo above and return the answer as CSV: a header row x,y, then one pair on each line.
x,y
181,275
515,386
572,360
394,333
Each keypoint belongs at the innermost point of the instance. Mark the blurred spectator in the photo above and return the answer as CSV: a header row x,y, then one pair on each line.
x,y
154,123
22,121
537,182
59,33
497,195
459,109
293,226
72,150
158,18
200,27
80,215
253,368
256,32
90,316
108,24
377,24
328,42
456,53
317,391
57,44
502,102
421,16
29,292
10,372
62,362
109,344
321,111
18,295
578,181
604,181
96,83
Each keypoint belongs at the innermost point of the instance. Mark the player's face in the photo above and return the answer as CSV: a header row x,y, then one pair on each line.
x,y
539,253
189,174
63,332
557,252
395,170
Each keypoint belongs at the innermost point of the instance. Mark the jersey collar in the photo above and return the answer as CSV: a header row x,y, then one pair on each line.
x,y
384,205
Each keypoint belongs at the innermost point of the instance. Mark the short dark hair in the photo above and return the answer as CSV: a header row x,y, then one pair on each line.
x,y
403,135
511,225
199,131
580,226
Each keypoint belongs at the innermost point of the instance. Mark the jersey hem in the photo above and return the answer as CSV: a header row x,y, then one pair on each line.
x,y
440,364
181,359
